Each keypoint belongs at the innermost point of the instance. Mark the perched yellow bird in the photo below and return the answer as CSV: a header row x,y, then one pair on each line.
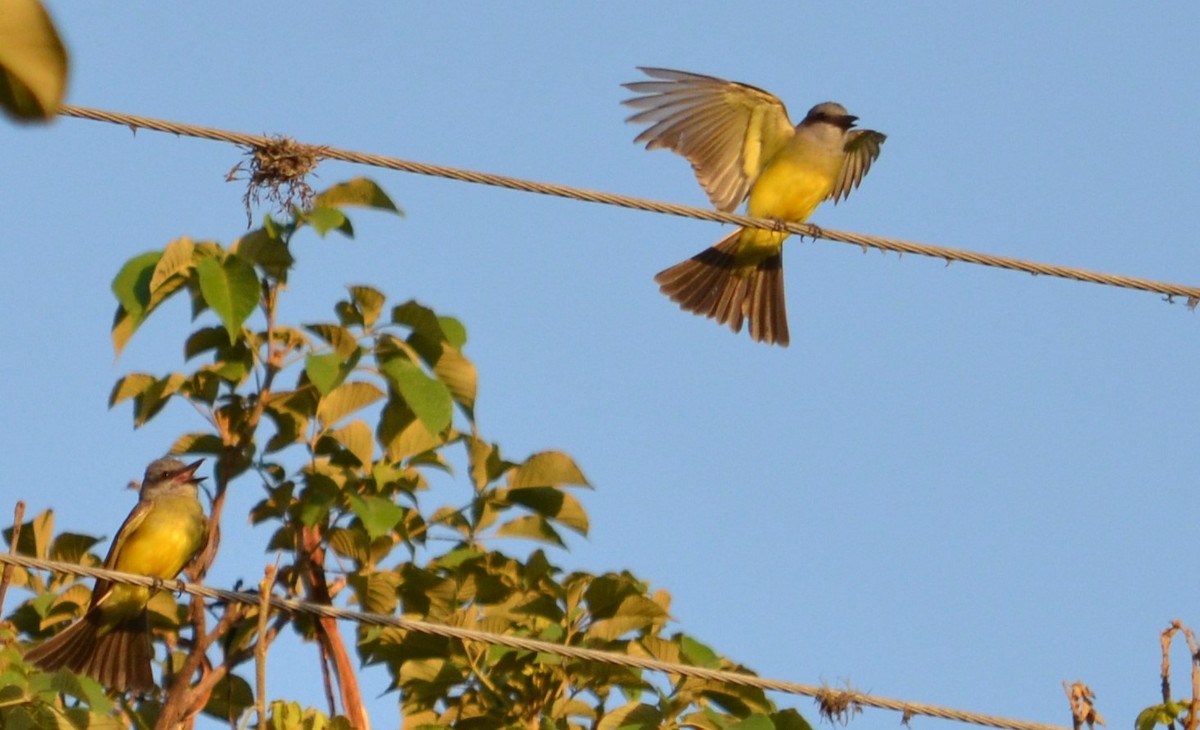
x,y
742,145
111,643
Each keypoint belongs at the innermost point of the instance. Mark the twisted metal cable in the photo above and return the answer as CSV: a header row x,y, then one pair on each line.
x,y
1191,293
850,698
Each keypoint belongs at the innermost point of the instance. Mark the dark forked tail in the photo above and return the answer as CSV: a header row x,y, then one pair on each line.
x,y
118,657
713,284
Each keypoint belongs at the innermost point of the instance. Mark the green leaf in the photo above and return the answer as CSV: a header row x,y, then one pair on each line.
x,y
132,283
419,318
231,289
754,722
324,371
361,192
346,399
318,497
33,62
698,654
176,260
265,248
790,719
546,469
378,515
456,333
451,367
402,434
429,399
231,696
1147,718
324,220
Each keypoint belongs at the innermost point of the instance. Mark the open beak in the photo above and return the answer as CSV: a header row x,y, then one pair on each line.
x,y
188,473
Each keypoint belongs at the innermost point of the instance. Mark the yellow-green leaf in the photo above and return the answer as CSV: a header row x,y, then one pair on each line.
x,y
635,613
361,192
632,716
176,260
346,399
378,515
356,438
553,504
532,527
33,62
340,338
402,434
546,469
132,283
266,249
129,386
324,371
369,302
230,288
429,399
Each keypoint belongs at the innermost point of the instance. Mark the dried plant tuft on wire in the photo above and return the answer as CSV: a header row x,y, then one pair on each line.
x,y
838,705
277,172
1083,705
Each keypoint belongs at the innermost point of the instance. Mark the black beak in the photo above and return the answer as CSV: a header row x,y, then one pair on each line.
x,y
187,475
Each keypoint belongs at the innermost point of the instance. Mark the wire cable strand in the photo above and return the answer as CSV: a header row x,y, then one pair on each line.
x,y
1169,290
849,697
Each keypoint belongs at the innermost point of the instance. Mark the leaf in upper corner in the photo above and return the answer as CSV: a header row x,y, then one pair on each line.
x,y
230,288
361,192
33,62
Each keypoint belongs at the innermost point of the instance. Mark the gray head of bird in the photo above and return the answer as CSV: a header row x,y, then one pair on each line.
x,y
168,472
830,112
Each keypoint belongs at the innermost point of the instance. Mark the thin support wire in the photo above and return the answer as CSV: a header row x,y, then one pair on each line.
x,y
848,697
1191,293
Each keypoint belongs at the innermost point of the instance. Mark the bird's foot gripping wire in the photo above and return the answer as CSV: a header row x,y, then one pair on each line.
x,y
814,232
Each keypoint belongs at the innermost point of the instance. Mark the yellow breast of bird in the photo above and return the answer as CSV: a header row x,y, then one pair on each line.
x,y
166,539
793,183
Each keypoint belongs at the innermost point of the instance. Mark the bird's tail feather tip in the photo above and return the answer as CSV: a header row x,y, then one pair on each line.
x,y
709,284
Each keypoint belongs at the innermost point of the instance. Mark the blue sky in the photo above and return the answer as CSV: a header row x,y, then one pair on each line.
x,y
958,485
